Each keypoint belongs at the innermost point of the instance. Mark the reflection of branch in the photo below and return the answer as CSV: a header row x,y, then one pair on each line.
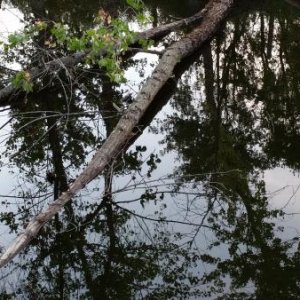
x,y
162,220
90,217
164,192
174,179
36,141
145,229
291,197
26,197
209,209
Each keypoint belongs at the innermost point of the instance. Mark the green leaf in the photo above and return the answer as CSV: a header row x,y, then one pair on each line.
x,y
22,80
16,39
136,4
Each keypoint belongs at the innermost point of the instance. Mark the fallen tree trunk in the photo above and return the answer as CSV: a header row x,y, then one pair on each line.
x,y
70,61
215,12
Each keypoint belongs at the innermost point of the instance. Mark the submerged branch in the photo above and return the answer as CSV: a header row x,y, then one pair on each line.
x,y
214,14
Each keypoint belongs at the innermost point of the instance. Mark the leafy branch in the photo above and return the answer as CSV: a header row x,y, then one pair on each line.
x,y
112,35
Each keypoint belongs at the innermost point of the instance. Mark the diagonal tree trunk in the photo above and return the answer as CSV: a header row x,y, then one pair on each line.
x,y
215,12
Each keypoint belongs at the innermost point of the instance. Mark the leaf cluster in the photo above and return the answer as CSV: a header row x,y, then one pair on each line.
x,y
108,35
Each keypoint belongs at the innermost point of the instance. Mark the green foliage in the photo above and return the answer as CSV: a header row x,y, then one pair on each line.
x,y
22,80
16,39
60,32
138,6
20,38
146,43
109,36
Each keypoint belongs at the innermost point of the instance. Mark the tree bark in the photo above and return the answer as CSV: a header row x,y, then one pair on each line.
x,y
214,13
68,62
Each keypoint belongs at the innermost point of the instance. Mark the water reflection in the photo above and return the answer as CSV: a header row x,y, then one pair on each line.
x,y
151,227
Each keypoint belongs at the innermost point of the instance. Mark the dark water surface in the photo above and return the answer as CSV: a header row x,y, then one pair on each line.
x,y
204,204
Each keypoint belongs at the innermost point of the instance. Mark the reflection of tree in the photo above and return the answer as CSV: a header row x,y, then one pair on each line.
x,y
176,8
94,247
228,137
99,254
283,98
76,13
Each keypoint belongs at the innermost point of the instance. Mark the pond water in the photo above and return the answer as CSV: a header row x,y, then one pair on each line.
x,y
205,203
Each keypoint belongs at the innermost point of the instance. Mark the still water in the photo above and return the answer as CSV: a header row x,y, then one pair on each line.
x,y
205,202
